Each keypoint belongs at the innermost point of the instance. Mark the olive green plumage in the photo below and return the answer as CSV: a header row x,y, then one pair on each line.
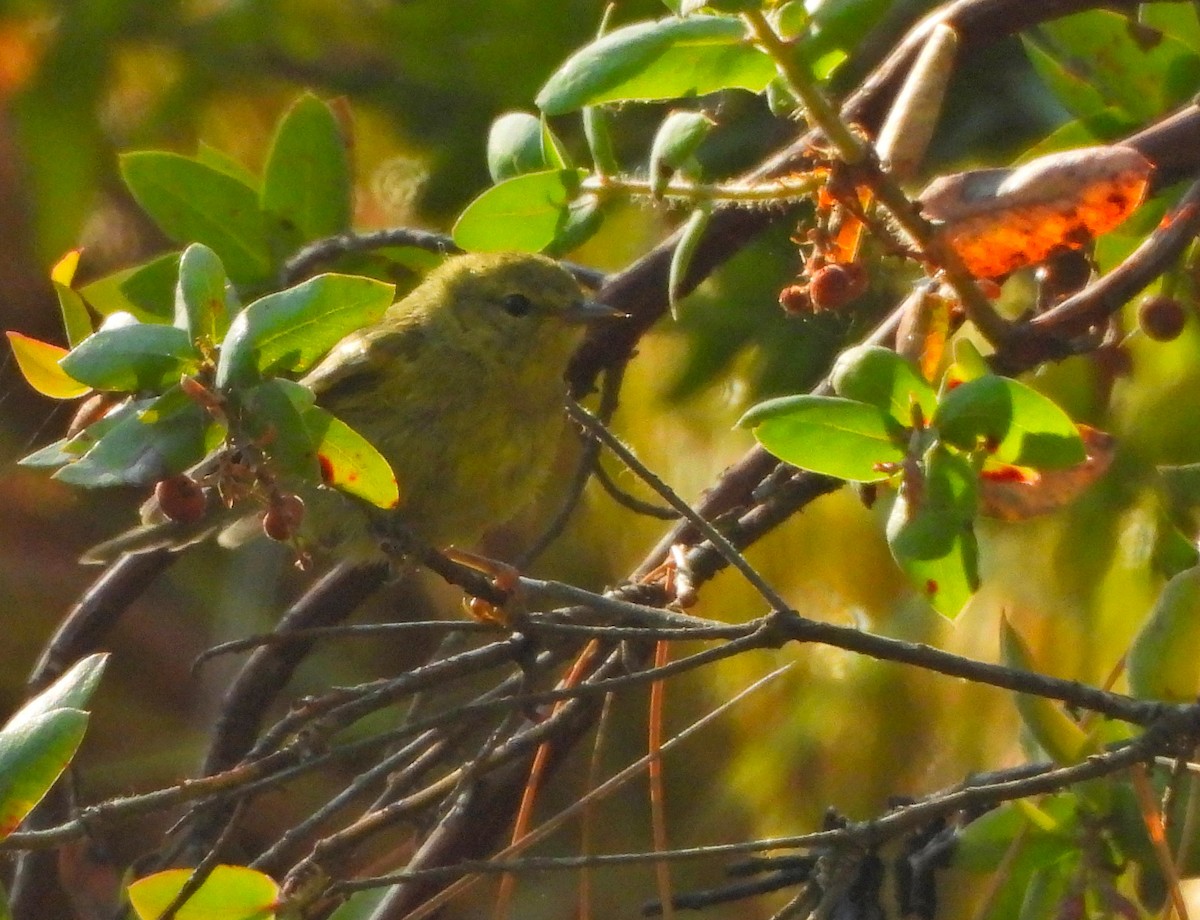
x,y
460,386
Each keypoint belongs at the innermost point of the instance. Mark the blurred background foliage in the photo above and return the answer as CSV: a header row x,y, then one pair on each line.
x,y
81,80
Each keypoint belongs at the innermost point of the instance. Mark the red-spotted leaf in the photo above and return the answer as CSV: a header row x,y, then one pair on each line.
x,y
350,462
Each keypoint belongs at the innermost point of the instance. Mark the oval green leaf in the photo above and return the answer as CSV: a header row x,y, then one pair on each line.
x,y
71,690
931,536
33,755
161,439
229,893
307,183
665,59
146,290
350,462
878,376
522,214
193,202
514,146
1015,423
200,294
287,332
827,435
138,356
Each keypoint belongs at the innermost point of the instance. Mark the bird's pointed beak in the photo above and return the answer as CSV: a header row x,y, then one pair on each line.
x,y
589,311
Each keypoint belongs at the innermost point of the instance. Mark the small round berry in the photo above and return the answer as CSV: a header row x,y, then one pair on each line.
x,y
795,300
284,517
837,284
181,499
1161,318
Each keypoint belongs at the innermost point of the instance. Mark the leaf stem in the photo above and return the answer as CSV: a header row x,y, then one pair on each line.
x,y
858,153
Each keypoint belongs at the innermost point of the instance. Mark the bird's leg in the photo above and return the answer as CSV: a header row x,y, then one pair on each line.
x,y
504,579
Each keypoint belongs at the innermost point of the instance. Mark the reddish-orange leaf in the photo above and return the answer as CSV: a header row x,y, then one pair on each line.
x,y
1011,493
999,220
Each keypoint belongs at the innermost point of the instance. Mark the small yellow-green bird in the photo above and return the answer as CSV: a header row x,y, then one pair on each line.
x,y
459,386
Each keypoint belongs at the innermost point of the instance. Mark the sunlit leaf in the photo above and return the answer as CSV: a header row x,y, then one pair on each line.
x,y
147,290
882,378
1060,736
307,183
930,531
999,220
33,755
825,434
76,320
514,146
350,462
1013,422
72,690
229,893
1144,75
1015,494
138,356
1164,660
193,202
275,414
665,59
287,332
39,364
200,294
144,445
522,214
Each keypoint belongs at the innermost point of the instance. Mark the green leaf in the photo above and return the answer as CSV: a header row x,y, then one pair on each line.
x,y
49,457
193,202
139,356
145,445
825,434
307,183
147,290
39,365
675,145
514,146
287,332
522,214
1164,660
72,690
665,59
33,755
76,320
554,151
583,218
1016,424
1181,21
681,259
987,840
275,415
1100,58
599,140
200,294
930,531
229,893
878,376
350,462
841,24
1060,736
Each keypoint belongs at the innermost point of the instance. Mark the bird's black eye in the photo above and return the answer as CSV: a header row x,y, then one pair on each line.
x,y
516,304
